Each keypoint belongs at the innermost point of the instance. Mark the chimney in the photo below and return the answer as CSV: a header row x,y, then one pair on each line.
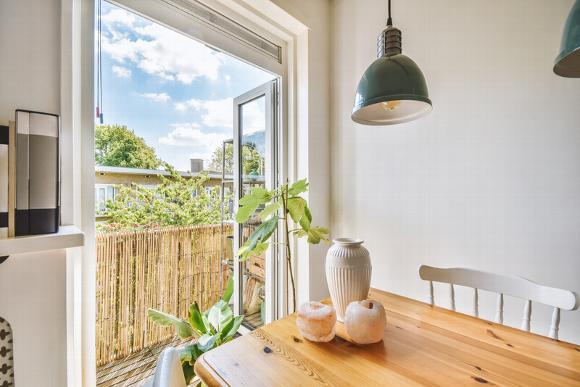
x,y
196,165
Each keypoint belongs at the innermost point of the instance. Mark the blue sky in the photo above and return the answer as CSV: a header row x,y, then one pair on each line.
x,y
171,90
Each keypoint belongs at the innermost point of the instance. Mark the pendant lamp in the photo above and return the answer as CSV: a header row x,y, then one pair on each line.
x,y
568,62
393,89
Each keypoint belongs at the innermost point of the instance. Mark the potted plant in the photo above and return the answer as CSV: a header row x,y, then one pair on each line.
x,y
274,208
210,329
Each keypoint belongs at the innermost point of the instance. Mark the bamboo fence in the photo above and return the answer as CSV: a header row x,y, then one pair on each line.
x,y
167,269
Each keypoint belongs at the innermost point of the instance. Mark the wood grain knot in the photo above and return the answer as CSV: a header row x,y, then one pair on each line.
x,y
492,334
296,339
479,380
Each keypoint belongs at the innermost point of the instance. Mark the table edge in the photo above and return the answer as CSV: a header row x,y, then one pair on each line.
x,y
206,373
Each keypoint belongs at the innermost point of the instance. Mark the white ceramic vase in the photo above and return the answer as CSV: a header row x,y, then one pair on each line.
x,y
348,273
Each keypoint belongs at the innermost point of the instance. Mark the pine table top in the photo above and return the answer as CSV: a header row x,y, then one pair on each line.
x,y
423,345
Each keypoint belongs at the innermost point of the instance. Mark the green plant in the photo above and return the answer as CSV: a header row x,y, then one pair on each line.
x,y
176,201
212,328
275,207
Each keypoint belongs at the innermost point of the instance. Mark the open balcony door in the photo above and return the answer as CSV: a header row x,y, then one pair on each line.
x,y
255,165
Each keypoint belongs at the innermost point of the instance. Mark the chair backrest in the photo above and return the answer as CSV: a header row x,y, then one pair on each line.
x,y
502,284
168,372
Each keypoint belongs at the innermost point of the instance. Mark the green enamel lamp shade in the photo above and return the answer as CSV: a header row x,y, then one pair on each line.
x,y
392,90
568,62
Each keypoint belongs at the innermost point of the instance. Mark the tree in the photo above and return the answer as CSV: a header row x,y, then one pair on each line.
x,y
118,146
177,201
253,161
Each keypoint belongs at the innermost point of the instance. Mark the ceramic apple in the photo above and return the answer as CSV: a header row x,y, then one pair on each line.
x,y
365,321
316,321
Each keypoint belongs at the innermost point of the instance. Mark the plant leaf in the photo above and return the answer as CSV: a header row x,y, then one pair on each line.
x,y
300,233
250,203
188,372
298,187
257,194
195,319
306,219
296,208
182,327
220,315
260,235
190,353
229,290
269,209
260,248
316,234
232,327
209,328
207,342
245,211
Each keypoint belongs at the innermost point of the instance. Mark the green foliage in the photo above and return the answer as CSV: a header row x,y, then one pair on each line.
x,y
252,160
287,201
182,327
176,201
251,202
118,146
257,242
211,328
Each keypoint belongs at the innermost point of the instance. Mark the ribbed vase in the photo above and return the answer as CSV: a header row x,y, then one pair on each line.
x,y
348,272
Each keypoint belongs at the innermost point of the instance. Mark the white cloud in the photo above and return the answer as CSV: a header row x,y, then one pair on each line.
x,y
220,113
121,72
157,50
214,113
157,97
191,135
120,16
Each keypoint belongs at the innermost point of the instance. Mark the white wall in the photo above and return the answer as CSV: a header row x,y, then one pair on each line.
x,y
313,137
33,286
491,178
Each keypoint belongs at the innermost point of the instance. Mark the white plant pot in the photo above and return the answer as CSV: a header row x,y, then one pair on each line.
x,y
348,272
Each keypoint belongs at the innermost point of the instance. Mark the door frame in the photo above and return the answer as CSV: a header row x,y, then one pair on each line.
x,y
269,91
77,110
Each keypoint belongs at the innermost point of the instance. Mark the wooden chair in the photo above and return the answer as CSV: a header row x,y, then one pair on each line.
x,y
502,284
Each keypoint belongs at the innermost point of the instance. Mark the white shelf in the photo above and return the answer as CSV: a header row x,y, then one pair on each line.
x,y
67,236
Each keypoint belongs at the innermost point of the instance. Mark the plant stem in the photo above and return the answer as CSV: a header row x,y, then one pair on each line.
x,y
288,251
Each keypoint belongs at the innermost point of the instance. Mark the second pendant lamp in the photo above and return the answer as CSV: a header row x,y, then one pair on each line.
x,y
393,89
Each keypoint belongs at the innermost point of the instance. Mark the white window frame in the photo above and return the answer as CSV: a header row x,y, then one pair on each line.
x,y
77,119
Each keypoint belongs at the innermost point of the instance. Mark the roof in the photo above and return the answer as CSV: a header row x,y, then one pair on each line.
x,y
103,169
155,172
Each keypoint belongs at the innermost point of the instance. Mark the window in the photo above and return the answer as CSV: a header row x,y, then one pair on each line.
x,y
104,192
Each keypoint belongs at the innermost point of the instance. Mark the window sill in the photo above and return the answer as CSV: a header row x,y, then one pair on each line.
x,y
66,237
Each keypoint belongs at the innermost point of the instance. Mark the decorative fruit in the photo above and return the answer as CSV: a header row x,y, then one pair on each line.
x,y
365,321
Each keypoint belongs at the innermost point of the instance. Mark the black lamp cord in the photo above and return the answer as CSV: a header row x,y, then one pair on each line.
x,y
389,20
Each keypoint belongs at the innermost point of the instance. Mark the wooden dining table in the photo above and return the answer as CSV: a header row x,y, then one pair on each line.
x,y
422,345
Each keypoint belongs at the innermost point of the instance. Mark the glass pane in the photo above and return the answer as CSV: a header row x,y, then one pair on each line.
x,y
253,154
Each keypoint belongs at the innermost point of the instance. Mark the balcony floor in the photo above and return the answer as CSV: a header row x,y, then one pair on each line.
x,y
135,369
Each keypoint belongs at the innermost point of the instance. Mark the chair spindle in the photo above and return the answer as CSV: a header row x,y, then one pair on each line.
x,y
521,288
499,309
555,326
527,315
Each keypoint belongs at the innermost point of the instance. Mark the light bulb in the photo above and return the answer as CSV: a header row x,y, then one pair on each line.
x,y
390,105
